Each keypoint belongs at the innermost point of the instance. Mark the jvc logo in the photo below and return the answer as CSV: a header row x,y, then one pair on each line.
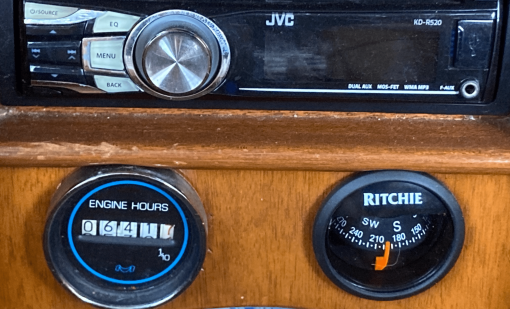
x,y
286,19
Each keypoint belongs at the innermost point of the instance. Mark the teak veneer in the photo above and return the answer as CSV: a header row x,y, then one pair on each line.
x,y
234,139
262,176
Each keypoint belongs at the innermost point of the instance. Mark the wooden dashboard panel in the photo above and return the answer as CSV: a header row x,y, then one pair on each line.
x,y
261,176
259,243
236,139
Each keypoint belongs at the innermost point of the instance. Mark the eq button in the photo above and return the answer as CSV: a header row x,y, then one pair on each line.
x,y
114,22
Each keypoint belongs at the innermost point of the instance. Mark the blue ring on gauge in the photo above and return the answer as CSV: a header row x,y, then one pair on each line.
x,y
136,183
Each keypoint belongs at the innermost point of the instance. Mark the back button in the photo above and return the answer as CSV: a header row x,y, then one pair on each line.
x,y
115,84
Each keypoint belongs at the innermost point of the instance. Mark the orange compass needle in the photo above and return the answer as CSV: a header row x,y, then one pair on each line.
x,y
382,261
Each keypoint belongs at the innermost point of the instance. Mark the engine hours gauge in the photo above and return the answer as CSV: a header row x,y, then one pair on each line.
x,y
125,236
389,234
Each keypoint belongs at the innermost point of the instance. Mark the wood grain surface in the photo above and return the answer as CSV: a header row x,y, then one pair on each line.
x,y
260,250
234,139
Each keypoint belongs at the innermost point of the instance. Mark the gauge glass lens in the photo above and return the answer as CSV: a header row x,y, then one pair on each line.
x,y
126,232
389,236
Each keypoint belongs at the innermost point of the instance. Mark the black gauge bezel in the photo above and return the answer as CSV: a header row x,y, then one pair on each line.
x,y
90,288
358,181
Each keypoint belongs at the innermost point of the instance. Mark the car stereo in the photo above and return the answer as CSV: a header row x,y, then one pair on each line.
x,y
402,56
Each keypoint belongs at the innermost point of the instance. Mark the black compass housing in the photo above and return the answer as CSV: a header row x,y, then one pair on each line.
x,y
408,216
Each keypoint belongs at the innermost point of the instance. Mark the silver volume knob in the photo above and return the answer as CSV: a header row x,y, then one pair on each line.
x,y
177,62
177,55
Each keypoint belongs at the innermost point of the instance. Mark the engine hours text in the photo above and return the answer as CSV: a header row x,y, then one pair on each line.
x,y
123,205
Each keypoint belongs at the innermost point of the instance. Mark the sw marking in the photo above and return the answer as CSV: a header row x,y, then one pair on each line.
x,y
373,224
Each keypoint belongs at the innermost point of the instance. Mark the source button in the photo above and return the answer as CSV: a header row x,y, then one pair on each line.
x,y
45,11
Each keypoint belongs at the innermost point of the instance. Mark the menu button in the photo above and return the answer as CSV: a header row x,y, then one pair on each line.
x,y
107,54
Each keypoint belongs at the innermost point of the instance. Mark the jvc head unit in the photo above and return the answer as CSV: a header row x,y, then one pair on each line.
x,y
414,56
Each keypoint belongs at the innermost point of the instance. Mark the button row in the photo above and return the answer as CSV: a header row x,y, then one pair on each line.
x,y
105,55
100,53
62,62
53,20
63,75
71,59
55,52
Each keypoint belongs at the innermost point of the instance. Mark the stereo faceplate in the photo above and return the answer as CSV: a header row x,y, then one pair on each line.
x,y
413,57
